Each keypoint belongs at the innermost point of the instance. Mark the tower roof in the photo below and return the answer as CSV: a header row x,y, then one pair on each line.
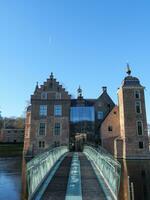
x,y
130,81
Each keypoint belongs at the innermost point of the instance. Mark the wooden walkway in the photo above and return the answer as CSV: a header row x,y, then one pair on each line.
x,y
57,188
91,189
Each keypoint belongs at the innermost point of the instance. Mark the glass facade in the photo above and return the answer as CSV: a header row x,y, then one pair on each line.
x,y
82,120
85,113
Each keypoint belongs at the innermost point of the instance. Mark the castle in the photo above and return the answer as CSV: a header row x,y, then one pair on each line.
x,y
55,118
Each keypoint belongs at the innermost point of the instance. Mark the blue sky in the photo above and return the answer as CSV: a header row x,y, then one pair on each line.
x,y
86,42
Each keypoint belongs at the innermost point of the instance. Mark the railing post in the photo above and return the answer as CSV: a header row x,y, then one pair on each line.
x,y
132,191
129,196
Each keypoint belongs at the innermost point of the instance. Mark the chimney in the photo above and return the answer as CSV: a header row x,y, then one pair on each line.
x,y
104,89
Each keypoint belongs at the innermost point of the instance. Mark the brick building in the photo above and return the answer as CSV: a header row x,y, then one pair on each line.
x,y
55,118
8,135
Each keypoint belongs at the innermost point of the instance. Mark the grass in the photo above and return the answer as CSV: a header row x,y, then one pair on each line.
x,y
7,149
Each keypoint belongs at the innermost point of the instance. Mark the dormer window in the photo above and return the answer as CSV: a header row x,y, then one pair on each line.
x,y
137,94
43,95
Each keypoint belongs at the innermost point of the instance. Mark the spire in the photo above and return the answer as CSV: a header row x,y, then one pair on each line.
x,y
37,86
79,91
128,69
51,76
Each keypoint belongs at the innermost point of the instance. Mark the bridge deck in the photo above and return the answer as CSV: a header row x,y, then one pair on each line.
x,y
90,187
56,189
89,182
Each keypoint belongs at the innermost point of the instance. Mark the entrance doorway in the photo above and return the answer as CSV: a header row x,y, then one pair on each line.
x,y
80,139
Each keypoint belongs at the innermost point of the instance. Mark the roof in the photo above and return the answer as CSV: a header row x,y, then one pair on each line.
x,y
131,81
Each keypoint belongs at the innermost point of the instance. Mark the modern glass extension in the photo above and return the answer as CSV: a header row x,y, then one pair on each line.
x,y
82,122
82,119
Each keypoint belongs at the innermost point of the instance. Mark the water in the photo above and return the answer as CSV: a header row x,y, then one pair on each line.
x,y
139,172
10,178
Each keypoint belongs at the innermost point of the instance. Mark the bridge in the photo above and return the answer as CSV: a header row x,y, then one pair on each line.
x,y
58,174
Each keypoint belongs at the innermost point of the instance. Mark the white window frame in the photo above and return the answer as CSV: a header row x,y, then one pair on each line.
x,y
39,129
137,127
139,106
43,110
57,109
60,129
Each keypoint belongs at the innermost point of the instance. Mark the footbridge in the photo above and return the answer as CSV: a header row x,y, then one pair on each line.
x,y
58,174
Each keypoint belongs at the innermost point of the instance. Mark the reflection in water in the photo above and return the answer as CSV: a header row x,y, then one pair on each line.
x,y
10,178
24,185
139,173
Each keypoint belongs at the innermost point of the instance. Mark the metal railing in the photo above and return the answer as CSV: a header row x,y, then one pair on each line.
x,y
39,167
109,168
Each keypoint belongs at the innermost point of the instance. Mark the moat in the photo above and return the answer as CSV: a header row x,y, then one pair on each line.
x,y
10,178
139,172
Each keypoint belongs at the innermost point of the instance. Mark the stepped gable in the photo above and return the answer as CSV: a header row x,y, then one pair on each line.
x,y
50,88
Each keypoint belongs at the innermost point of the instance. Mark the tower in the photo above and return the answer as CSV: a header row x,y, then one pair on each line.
x,y
132,115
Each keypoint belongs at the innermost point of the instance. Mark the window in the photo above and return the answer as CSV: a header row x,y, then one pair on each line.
x,y
57,110
57,129
43,95
100,115
110,128
56,144
42,129
50,85
138,107
139,128
41,144
141,145
43,110
58,95
137,94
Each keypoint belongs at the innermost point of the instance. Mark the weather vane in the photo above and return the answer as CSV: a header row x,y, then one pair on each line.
x,y
128,69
